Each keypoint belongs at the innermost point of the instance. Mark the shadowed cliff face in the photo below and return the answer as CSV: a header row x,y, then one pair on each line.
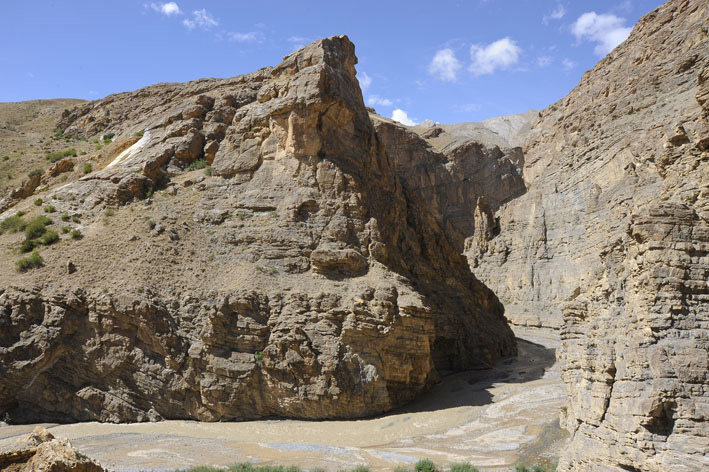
x,y
301,279
609,244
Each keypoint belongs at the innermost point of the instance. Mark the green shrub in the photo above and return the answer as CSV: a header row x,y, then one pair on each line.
x,y
198,164
27,245
50,209
30,262
95,141
49,238
75,219
463,467
521,468
76,234
13,224
151,224
139,134
37,227
88,168
425,465
110,211
108,136
66,229
65,217
107,141
208,171
34,172
57,156
5,158
38,202
99,147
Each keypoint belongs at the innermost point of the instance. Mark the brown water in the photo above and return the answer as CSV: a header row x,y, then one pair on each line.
x,y
493,419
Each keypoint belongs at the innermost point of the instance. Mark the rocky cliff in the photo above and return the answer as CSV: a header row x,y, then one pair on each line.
x,y
301,277
610,244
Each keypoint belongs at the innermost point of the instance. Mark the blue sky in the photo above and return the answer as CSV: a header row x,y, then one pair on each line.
x,y
448,61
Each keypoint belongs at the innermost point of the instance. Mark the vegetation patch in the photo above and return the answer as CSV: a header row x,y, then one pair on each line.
x,y
57,156
49,238
198,164
12,224
30,262
34,172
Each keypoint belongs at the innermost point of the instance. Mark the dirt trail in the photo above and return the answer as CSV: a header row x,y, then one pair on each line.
x,y
493,419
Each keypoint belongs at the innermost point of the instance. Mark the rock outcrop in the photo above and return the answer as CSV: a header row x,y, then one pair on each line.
x,y
303,278
42,452
610,243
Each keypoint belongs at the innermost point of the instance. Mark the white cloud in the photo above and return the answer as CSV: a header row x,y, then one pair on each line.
x,y
543,61
170,8
299,42
444,65
200,18
558,13
498,55
375,100
249,37
568,64
606,29
364,81
401,116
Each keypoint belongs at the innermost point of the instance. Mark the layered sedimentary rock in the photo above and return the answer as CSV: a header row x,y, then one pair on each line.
x,y
42,452
610,243
302,278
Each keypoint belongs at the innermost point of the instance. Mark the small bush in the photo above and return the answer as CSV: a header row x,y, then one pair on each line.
x,y
88,168
198,164
66,229
95,141
463,467
57,156
30,262
107,142
99,147
27,245
109,211
108,136
76,234
49,238
139,134
66,217
5,158
37,227
208,171
50,209
38,202
151,224
34,172
13,224
75,219
425,465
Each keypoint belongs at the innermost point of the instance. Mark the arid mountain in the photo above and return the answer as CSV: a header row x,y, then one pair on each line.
x,y
301,278
317,271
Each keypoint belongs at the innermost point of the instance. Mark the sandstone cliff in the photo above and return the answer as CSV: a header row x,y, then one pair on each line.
x,y
610,244
302,278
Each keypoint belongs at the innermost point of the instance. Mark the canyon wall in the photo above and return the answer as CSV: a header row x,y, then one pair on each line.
x,y
301,278
609,244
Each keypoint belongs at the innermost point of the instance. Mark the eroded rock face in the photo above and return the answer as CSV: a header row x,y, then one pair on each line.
x,y
302,279
610,245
